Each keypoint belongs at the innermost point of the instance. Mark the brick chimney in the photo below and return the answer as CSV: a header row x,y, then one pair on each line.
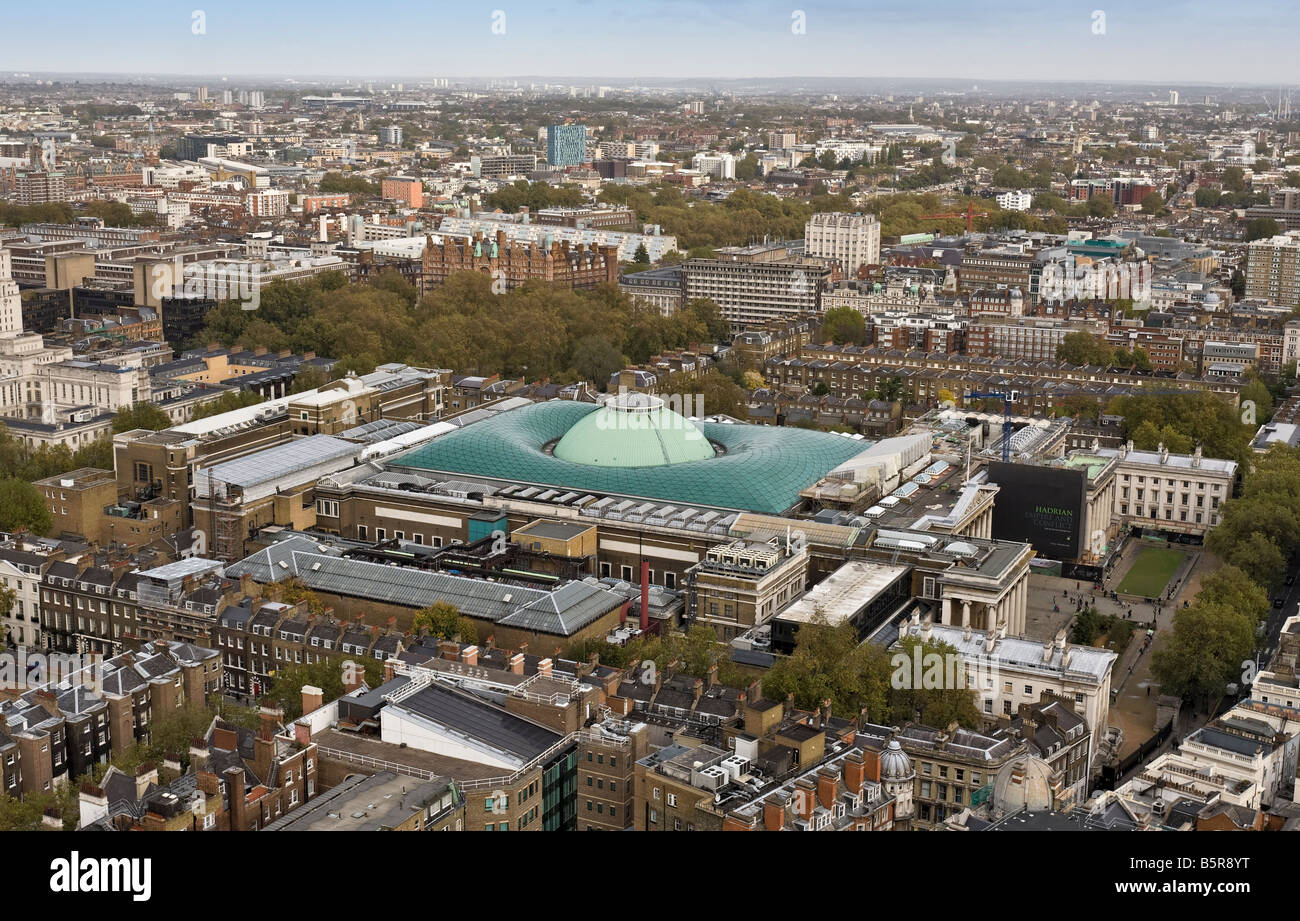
x,y
302,732
773,813
827,783
145,775
469,655
48,701
805,796
199,755
313,698
268,719
544,668
855,771
517,663
238,804
353,676
208,783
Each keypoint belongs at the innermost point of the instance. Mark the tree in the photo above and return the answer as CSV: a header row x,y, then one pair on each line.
x,y
828,663
293,591
595,359
1208,419
890,389
1100,206
1207,198
24,814
1230,587
286,691
1261,228
1257,394
642,255
1233,179
1260,558
23,507
309,377
723,396
931,706
140,416
1238,284
1083,348
1204,652
747,167
1153,203
444,620
844,325
227,402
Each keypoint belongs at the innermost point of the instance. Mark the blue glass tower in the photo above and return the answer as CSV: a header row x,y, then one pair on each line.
x,y
566,145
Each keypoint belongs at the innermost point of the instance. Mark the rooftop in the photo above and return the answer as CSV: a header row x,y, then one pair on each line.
x,y
760,468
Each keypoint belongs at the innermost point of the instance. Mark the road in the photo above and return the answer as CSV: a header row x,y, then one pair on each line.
x,y
1267,644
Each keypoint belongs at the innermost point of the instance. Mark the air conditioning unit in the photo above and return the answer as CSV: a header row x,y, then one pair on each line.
x,y
712,778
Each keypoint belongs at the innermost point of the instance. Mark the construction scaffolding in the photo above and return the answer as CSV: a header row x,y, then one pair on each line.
x,y
225,506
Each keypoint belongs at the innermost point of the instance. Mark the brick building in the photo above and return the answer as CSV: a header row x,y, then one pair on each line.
x,y
510,264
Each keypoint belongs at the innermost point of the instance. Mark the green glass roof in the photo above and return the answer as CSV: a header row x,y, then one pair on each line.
x,y
647,436
762,470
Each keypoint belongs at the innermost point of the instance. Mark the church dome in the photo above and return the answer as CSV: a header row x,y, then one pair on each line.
x,y
633,430
894,763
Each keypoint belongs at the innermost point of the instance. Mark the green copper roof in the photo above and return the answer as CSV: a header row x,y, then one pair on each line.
x,y
762,470
633,430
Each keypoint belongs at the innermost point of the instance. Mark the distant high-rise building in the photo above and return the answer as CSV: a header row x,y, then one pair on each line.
x,y
404,188
40,187
566,145
1273,269
780,140
390,135
718,165
851,239
227,97
1173,97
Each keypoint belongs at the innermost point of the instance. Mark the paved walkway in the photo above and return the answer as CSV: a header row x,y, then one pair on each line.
x,y
1133,708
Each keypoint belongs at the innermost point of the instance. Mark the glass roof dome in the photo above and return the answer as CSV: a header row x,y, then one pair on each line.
x,y
633,430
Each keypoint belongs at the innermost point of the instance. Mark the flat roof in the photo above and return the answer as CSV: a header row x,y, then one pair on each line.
x,y
554,530
844,592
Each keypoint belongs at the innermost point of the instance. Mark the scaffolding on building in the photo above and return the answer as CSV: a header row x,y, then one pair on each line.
x,y
225,505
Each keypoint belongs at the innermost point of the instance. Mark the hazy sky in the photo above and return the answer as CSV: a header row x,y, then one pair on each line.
x,y
1164,41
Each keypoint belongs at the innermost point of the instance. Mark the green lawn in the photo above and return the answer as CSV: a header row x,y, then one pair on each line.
x,y
1151,572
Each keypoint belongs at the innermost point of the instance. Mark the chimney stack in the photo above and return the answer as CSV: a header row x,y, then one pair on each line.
x,y
313,698
238,804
